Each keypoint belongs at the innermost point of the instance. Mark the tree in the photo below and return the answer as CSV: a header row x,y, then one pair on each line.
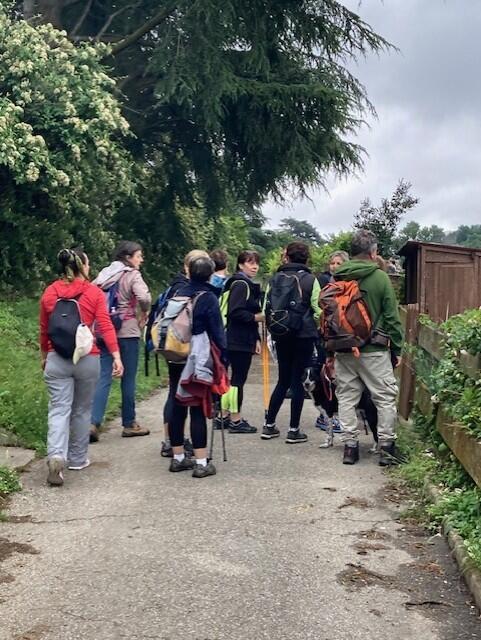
x,y
469,236
384,220
232,97
413,231
301,230
63,170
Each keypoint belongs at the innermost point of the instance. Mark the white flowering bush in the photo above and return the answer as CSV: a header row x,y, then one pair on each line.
x,y
64,170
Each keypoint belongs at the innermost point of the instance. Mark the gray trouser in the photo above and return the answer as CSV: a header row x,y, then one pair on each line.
x,y
373,370
71,389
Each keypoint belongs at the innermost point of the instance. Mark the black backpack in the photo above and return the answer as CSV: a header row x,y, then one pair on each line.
x,y
285,305
63,324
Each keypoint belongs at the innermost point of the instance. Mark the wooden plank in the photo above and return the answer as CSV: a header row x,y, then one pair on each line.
x,y
430,340
464,446
423,400
470,365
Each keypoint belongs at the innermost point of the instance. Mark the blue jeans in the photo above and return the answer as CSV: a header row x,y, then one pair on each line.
x,y
129,353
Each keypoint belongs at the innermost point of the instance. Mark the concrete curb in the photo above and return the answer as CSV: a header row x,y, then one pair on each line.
x,y
470,572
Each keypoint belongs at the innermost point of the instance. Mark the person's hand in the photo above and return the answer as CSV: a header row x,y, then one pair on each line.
x,y
117,367
260,317
398,362
258,347
144,316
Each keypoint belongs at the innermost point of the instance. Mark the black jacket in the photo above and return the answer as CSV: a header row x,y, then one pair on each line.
x,y
325,278
307,281
244,302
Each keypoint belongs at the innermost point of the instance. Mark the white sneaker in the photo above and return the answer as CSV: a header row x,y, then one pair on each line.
x,y
79,467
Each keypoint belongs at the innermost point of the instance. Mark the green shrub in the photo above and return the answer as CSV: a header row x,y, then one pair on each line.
x,y
9,482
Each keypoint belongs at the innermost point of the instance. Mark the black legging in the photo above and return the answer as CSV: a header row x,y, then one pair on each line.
x,y
198,426
240,362
175,371
293,356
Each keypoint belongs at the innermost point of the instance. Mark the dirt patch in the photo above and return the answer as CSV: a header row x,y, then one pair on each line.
x,y
6,578
373,534
37,632
358,503
365,547
357,576
8,548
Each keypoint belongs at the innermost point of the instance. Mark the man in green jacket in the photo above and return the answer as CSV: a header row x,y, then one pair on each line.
x,y
373,368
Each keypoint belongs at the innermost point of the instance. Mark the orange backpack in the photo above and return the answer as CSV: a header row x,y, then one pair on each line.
x,y
346,324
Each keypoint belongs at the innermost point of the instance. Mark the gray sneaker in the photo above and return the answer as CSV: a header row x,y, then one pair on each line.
x,y
270,431
55,472
293,437
186,465
201,471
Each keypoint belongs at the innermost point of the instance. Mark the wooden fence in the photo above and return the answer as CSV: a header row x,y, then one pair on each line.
x,y
465,446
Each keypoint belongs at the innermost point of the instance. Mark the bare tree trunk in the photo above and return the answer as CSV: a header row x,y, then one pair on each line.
x,y
49,10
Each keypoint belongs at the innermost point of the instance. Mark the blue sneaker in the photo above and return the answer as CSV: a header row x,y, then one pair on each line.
x,y
321,422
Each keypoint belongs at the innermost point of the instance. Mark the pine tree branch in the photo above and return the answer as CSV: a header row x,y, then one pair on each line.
x,y
112,17
157,19
84,14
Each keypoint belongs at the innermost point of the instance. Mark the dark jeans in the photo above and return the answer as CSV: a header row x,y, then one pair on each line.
x,y
129,353
240,363
293,356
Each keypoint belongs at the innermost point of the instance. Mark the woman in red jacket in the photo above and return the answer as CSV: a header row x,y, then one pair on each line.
x,y
71,386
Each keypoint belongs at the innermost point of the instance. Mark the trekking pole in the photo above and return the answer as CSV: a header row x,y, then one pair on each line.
x,y
265,372
212,437
222,430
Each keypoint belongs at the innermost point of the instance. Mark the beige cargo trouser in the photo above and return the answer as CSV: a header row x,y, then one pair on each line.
x,y
373,370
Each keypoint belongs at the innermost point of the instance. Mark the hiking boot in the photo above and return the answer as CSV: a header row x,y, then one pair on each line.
x,y
241,427
94,433
166,450
322,423
351,454
295,436
270,431
390,456
134,430
55,472
186,464
202,471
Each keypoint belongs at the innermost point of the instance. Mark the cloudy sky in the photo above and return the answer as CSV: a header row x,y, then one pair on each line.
x,y
428,131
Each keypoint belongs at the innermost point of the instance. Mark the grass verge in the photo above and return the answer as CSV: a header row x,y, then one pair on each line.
x,y
23,395
429,460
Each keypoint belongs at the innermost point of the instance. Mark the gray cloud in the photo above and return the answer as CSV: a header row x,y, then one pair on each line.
x,y
428,100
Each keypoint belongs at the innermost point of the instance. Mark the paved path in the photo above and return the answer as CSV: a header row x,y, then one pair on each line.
x,y
284,543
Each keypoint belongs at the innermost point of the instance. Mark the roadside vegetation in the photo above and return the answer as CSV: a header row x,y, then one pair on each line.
x,y
23,396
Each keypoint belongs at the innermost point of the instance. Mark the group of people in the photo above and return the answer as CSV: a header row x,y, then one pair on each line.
x,y
228,310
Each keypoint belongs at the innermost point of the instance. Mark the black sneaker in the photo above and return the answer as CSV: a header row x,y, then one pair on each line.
x,y
351,454
166,451
241,427
270,431
186,465
390,456
202,471
293,437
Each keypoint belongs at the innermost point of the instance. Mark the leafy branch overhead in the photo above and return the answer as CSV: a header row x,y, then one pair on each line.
x,y
250,97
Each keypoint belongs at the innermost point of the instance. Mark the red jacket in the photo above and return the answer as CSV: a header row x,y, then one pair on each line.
x,y
92,308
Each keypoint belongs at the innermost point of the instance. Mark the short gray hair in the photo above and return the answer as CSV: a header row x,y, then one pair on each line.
x,y
363,243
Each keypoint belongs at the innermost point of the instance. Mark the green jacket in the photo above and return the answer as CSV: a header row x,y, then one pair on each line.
x,y
380,298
